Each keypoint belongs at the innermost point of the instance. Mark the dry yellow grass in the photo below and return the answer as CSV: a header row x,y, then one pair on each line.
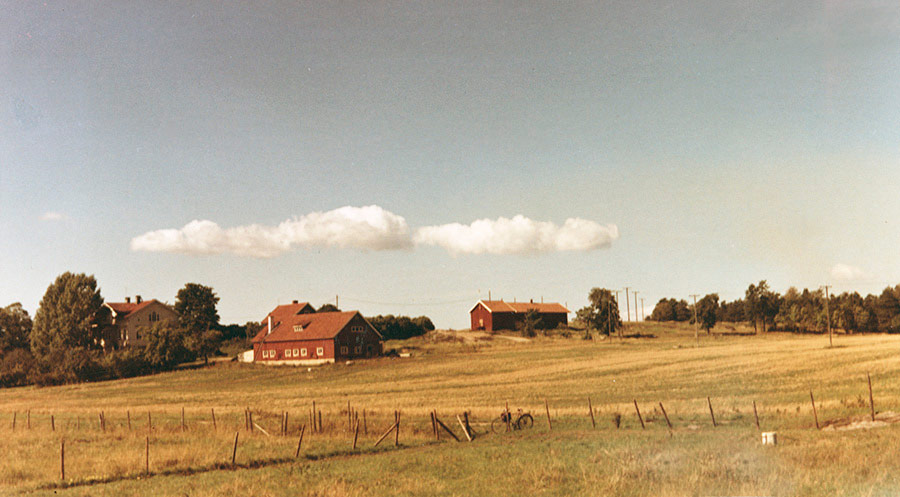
x,y
777,371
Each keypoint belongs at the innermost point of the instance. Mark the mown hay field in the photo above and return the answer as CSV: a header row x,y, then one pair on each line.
x,y
454,373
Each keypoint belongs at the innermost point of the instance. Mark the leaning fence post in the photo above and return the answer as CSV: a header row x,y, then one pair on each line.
x,y
666,415
463,425
14,420
591,411
300,442
638,411
52,423
756,415
234,450
549,422
871,398
355,435
212,411
815,414
711,414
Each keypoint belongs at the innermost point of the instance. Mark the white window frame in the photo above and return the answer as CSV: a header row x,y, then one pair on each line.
x,y
287,353
304,353
296,352
320,351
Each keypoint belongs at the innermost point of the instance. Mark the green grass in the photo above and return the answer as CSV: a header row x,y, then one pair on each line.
x,y
777,371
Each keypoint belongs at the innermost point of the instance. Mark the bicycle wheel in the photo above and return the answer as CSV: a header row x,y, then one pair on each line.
x,y
524,421
498,425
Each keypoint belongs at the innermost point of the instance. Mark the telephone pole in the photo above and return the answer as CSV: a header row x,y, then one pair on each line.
x,y
696,322
627,308
636,319
643,316
828,316
617,313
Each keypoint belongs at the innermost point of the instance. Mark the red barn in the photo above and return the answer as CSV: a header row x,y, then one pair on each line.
x,y
492,315
291,334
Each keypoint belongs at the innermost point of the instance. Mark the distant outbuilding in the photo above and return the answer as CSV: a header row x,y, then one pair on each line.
x,y
494,315
296,334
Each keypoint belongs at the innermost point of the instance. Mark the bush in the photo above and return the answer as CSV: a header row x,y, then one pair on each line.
x,y
15,367
401,327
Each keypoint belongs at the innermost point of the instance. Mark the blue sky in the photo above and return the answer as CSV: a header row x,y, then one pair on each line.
x,y
699,147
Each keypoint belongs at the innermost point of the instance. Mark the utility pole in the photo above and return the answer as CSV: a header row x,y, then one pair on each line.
x,y
636,319
627,308
696,322
618,311
336,304
828,316
643,316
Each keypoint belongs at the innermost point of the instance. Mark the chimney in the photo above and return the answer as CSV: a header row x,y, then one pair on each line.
x,y
295,302
530,301
138,299
127,300
270,326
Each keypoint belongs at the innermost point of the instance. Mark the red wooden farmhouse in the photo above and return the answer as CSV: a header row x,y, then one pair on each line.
x,y
296,334
492,315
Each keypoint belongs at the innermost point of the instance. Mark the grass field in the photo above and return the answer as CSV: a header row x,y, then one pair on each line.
x,y
451,375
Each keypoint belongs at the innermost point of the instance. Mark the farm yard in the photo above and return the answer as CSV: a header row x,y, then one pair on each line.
x,y
576,452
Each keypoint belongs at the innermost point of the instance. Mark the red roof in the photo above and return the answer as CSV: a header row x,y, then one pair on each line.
x,y
123,309
514,307
284,312
316,326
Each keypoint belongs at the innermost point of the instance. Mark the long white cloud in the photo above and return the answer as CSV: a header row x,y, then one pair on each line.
x,y
519,235
373,228
364,228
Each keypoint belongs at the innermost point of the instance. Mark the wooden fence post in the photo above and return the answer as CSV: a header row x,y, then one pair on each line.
x,y
711,413
756,415
815,414
212,412
147,456
591,411
128,415
14,420
62,460
871,398
52,423
355,435
448,430
28,419
382,437
549,422
149,423
638,411
666,415
434,426
463,425
300,442
397,433
234,450
508,418
183,427
365,427
102,424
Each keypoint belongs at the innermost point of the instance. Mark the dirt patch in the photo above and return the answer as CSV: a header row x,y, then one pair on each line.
x,y
863,422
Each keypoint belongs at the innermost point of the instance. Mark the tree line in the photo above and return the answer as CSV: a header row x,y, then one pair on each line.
x,y
65,341
806,311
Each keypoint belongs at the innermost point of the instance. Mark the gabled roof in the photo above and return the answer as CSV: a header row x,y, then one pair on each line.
x,y
123,309
315,326
282,312
521,307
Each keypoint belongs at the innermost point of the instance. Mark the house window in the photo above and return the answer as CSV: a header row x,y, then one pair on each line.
x,y
265,354
137,335
303,353
296,353
344,349
154,317
356,350
287,353
298,328
356,329
320,351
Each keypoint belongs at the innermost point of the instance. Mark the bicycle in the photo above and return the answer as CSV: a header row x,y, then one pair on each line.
x,y
522,421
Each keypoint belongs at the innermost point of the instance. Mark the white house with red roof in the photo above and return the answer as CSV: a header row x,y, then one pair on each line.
x,y
291,334
131,320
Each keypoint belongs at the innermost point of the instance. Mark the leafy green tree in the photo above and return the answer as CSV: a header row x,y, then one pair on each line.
x,y
707,311
601,313
531,322
166,345
197,315
15,327
401,327
71,315
328,308
761,305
